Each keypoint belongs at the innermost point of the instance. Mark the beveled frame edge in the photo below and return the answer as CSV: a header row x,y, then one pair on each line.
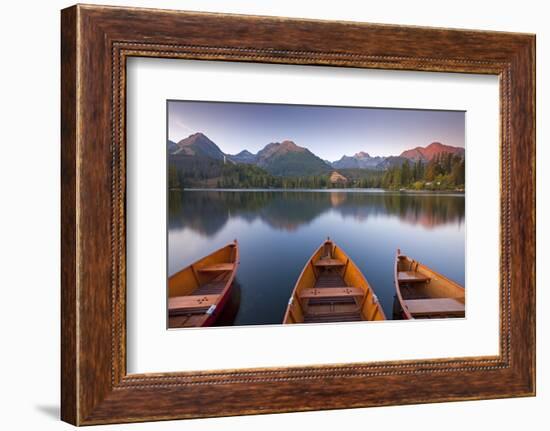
x,y
96,41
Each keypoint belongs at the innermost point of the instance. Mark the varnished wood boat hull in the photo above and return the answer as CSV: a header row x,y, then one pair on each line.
x,y
331,288
198,293
212,319
423,293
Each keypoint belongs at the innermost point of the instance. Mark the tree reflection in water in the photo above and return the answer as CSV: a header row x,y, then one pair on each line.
x,y
207,211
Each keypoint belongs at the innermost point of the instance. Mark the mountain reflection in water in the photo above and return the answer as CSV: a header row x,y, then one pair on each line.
x,y
207,211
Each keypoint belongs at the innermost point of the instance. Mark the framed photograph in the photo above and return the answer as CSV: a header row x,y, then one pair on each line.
x,y
286,207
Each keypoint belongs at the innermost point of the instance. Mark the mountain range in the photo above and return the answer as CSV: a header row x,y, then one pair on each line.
x,y
426,154
196,144
285,159
288,159
360,160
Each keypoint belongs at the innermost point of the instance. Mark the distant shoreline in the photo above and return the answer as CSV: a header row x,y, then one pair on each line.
x,y
331,190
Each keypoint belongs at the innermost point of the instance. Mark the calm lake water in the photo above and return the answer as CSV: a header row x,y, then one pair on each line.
x,y
278,232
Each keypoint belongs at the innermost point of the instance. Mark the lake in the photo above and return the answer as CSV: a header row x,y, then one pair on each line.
x,y
278,231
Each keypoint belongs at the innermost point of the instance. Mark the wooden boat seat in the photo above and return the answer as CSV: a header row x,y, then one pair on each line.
x,y
328,263
330,292
189,304
411,277
218,267
435,307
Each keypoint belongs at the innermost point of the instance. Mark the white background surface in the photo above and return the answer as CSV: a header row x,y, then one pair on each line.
x,y
151,348
29,217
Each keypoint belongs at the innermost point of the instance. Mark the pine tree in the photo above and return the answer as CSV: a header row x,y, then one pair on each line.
x,y
173,178
431,170
405,173
458,173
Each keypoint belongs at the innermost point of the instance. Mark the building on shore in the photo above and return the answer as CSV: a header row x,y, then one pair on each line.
x,y
337,178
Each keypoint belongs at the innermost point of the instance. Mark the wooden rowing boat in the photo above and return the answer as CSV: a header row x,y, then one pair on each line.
x,y
198,293
331,288
424,293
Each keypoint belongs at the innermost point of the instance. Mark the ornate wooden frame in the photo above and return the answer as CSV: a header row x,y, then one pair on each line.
x,y
95,42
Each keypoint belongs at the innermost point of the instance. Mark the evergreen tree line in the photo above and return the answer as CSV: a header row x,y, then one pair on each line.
x,y
249,176
238,176
362,178
444,171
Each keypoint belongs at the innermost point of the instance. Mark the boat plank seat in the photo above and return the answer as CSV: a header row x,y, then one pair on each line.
x,y
330,292
328,263
183,304
435,307
411,277
217,267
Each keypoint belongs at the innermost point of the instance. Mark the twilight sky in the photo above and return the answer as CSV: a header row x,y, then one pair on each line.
x,y
329,132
